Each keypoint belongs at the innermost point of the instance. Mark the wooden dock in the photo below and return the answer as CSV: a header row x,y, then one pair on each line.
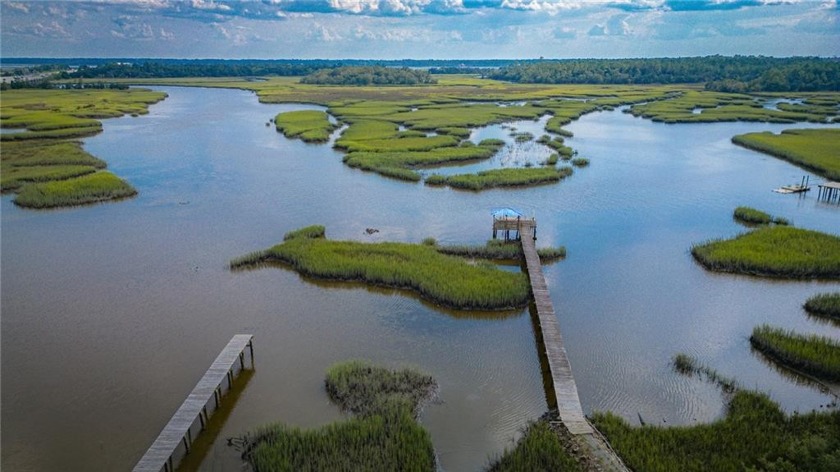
x,y
565,389
178,430
829,191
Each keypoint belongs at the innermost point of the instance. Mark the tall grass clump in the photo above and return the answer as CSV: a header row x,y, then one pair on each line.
x,y
815,355
447,280
824,304
756,217
501,250
383,434
755,434
539,449
311,126
84,190
776,251
307,232
362,389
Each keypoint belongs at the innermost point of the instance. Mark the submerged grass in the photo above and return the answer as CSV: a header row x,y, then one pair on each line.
x,y
311,126
447,280
756,217
777,251
815,355
384,434
816,150
824,304
92,188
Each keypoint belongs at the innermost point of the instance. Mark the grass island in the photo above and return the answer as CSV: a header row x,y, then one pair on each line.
x,y
775,251
383,434
447,280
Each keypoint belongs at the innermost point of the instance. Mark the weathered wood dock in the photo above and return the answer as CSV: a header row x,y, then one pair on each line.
x,y
565,389
178,430
564,386
829,191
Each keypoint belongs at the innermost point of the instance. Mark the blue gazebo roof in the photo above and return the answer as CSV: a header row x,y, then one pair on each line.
x,y
506,212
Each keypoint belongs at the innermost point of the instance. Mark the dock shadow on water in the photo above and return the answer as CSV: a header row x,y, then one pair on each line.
x,y
545,370
203,444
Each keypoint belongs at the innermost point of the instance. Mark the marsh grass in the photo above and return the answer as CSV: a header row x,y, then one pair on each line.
x,y
776,251
501,250
446,280
517,177
824,304
87,189
580,162
756,217
687,365
816,150
815,355
45,163
719,106
311,126
383,434
755,434
402,165
540,449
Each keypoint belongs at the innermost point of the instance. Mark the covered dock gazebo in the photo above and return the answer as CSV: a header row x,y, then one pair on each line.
x,y
509,221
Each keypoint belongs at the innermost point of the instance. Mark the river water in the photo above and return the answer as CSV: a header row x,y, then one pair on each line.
x,y
111,313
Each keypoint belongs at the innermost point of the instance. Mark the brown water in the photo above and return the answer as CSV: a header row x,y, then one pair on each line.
x,y
111,313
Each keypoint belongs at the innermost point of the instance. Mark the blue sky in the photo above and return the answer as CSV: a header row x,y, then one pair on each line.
x,y
421,29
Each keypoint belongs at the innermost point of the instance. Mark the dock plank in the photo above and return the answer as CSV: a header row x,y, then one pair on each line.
x,y
565,389
156,457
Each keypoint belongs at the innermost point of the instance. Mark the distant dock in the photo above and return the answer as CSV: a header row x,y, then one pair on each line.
x,y
178,431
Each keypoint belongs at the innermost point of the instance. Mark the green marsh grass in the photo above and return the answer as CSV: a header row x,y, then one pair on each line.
x,y
311,126
45,163
383,434
501,250
824,304
815,355
517,177
817,150
687,365
755,434
446,280
756,217
87,189
539,450
580,162
719,106
402,165
776,251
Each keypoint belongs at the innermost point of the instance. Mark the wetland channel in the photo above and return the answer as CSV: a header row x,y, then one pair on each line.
x,y
112,312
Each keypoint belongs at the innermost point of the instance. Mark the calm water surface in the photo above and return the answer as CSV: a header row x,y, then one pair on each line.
x,y
111,313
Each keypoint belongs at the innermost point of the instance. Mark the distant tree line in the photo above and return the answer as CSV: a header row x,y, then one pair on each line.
x,y
721,73
375,75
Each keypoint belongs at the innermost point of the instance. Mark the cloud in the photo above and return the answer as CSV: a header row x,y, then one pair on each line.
x,y
564,32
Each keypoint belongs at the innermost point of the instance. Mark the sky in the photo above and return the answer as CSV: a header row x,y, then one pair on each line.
x,y
418,29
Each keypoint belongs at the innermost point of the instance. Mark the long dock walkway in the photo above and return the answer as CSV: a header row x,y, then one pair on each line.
x,y
565,390
179,428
